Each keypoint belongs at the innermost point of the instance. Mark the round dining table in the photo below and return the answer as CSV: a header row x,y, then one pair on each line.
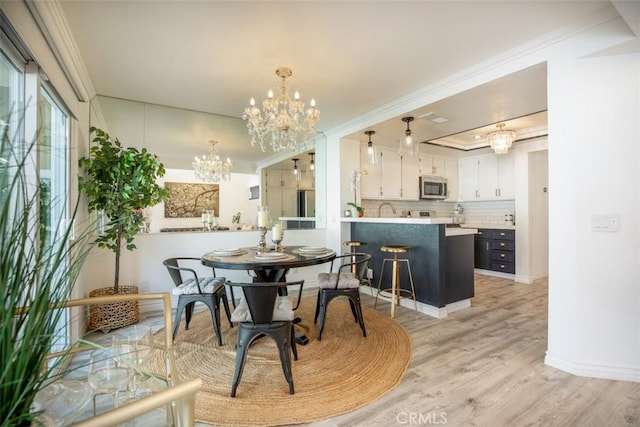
x,y
268,266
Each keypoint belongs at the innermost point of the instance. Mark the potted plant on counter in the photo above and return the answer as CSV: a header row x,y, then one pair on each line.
x,y
356,211
119,183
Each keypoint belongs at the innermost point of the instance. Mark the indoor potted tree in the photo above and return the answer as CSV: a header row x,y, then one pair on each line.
x,y
119,183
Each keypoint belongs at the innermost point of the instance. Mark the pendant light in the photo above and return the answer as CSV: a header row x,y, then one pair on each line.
x,y
408,145
312,163
296,172
371,149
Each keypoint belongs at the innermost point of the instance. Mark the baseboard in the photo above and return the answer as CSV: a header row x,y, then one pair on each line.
x,y
523,279
516,278
594,371
494,273
429,310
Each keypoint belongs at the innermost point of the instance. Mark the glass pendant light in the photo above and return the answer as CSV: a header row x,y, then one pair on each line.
x,y
296,171
371,149
407,144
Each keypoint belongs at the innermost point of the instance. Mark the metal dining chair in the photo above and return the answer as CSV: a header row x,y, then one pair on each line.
x,y
262,311
345,282
208,290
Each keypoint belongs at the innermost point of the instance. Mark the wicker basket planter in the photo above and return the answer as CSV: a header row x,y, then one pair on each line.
x,y
105,317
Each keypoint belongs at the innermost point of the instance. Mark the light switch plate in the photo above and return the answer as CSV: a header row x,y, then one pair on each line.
x,y
605,222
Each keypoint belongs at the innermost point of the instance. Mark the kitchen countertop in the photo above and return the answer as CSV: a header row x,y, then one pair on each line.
x,y
450,231
401,220
296,218
494,226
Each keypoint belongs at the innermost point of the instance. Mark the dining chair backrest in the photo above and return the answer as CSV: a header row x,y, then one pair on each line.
x,y
262,297
357,263
176,270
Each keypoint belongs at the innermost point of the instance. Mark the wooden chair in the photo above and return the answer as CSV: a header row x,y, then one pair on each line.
x,y
263,312
208,290
345,282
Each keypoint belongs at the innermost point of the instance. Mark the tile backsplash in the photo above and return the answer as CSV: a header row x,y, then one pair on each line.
x,y
489,212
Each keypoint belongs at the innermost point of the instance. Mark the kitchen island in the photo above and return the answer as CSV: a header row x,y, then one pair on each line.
x,y
442,259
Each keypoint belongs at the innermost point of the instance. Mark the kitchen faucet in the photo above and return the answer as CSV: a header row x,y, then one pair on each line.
x,y
393,208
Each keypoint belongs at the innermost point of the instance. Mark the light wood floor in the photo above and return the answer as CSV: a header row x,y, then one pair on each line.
x,y
483,366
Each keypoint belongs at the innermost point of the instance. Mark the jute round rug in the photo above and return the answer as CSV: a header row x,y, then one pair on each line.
x,y
343,372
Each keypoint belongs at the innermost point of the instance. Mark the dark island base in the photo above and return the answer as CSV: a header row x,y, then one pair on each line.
x,y
442,266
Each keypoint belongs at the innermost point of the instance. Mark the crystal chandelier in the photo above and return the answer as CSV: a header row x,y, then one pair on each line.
x,y
211,168
501,140
283,123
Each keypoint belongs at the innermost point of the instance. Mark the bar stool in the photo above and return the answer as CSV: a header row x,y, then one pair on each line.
x,y
354,245
395,276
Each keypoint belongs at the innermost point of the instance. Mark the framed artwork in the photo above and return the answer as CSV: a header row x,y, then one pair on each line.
x,y
189,200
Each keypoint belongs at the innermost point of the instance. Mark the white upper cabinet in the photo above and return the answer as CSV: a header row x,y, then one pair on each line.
x,y
468,179
506,176
488,177
410,178
451,173
395,177
371,179
280,192
391,183
432,165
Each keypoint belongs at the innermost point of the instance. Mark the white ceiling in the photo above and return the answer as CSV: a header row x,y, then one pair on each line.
x,y
351,56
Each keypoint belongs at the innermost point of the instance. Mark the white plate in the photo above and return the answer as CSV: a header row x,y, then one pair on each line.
x,y
313,249
228,252
271,255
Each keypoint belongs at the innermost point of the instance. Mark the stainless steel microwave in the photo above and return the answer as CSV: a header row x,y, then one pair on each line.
x,y
433,187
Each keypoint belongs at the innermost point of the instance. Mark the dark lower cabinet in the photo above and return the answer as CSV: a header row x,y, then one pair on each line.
x,y
495,250
482,250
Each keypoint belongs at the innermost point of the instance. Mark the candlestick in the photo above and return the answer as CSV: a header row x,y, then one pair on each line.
x,y
277,232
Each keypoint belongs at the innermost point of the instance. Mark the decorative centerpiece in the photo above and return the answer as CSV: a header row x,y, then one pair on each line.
x,y
263,222
277,234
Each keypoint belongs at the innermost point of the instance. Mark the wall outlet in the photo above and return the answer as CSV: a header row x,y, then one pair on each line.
x,y
369,273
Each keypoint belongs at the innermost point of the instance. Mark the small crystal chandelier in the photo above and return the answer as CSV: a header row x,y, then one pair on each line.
x,y
211,168
501,140
284,123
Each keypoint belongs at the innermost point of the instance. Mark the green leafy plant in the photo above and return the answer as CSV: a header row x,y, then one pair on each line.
x,y
40,260
120,182
356,207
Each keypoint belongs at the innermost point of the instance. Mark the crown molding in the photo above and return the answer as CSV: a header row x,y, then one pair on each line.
x,y
54,27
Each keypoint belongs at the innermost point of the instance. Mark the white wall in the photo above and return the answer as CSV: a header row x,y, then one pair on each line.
x,y
234,197
594,291
538,217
